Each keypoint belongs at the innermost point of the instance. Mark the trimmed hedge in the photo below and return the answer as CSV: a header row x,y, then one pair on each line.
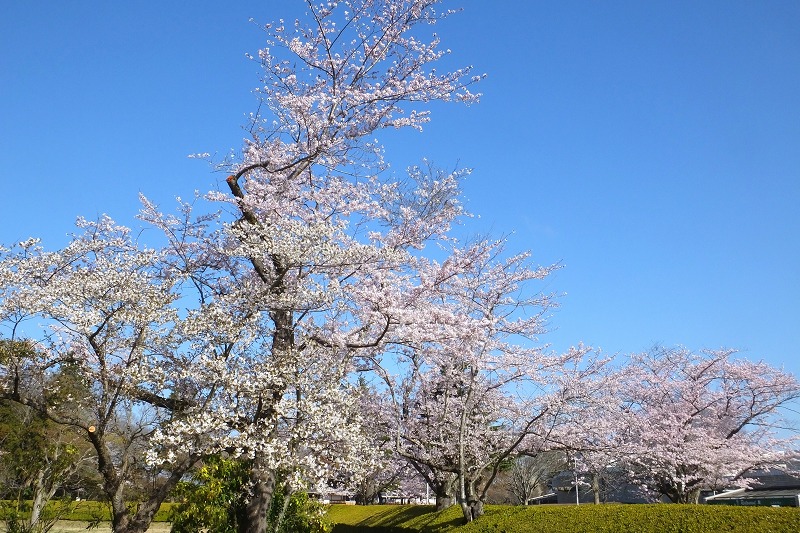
x,y
609,518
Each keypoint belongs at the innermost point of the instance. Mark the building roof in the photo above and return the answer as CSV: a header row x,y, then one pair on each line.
x,y
742,494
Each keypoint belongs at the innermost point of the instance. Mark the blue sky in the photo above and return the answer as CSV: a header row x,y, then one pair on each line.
x,y
653,148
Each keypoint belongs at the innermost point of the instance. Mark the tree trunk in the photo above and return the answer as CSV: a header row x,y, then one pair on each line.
x,y
257,507
39,499
471,503
596,487
681,494
472,509
443,501
477,509
120,516
126,520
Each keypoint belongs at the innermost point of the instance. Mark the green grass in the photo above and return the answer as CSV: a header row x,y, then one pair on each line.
x,y
663,518
389,518
86,510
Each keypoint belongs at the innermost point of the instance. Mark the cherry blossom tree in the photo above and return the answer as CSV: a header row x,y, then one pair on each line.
x,y
321,233
595,432
104,308
702,420
390,473
239,334
461,427
601,462
478,387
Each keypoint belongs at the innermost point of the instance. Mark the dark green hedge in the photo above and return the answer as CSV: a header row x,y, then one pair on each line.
x,y
658,518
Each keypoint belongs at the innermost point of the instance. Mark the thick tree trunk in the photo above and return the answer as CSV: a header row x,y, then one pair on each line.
x,y
126,520
689,496
257,507
443,501
120,516
471,503
681,494
472,509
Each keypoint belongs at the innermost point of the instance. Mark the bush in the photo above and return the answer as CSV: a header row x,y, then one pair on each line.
x,y
214,501
302,514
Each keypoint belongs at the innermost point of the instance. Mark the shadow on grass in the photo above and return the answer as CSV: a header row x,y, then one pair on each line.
x,y
396,519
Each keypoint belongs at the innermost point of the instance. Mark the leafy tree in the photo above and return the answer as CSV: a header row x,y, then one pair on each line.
x,y
37,457
35,462
295,512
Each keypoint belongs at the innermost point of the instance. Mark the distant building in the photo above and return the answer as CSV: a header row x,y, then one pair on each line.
x,y
563,485
785,497
773,487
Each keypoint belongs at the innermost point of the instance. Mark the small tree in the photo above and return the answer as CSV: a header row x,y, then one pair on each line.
x,y
529,475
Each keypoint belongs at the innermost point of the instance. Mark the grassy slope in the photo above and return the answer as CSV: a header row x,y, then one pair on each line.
x,y
570,519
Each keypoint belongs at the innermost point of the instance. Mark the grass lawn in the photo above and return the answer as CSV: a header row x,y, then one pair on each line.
x,y
74,526
608,518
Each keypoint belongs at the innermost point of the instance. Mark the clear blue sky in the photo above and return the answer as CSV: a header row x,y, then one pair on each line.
x,y
651,147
